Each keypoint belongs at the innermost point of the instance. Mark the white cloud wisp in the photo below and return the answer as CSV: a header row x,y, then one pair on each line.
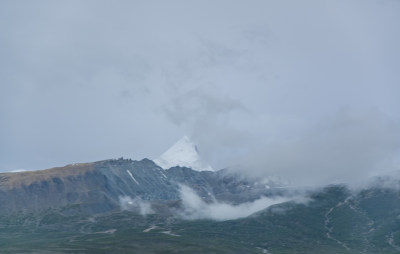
x,y
196,208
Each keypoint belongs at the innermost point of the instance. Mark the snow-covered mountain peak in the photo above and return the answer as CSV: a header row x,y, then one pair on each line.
x,y
183,153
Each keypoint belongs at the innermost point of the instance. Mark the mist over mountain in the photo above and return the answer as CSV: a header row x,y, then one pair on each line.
x,y
249,83
290,112
131,203
106,185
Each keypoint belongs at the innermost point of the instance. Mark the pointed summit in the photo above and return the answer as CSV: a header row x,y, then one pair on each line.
x,y
183,153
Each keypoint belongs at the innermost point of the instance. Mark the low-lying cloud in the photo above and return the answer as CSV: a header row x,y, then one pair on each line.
x,y
137,204
348,146
194,207
255,88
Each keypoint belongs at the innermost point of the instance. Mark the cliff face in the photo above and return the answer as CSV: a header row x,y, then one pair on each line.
x,y
98,186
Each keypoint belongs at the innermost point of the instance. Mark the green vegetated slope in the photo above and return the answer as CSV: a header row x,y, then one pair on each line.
x,y
333,221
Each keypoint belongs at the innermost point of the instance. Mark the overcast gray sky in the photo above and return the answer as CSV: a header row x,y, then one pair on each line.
x,y
298,88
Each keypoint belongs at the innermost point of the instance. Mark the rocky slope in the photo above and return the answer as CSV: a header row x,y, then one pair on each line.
x,y
334,221
98,186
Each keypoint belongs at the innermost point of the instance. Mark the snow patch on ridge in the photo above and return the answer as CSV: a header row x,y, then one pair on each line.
x,y
183,153
16,171
133,178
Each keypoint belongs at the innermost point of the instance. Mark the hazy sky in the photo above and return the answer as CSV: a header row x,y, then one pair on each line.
x,y
302,88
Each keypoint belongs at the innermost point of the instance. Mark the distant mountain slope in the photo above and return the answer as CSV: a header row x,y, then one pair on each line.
x,y
335,221
77,209
99,185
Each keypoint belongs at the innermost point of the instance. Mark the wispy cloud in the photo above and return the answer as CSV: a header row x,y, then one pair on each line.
x,y
137,205
348,146
242,79
194,207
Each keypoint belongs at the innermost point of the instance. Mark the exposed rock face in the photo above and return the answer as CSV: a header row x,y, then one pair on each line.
x,y
97,186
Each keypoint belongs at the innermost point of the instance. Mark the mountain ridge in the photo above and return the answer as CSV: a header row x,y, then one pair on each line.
x,y
77,207
99,185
